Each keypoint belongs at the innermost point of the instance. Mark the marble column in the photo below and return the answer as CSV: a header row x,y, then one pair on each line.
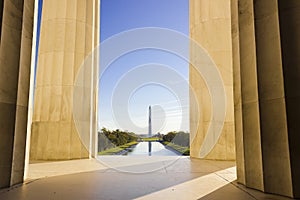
x,y
1,15
65,42
15,62
289,19
249,97
238,116
268,47
210,26
273,119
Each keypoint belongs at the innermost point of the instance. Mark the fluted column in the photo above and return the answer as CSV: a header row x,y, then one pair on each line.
x,y
289,18
238,117
65,42
15,62
250,104
269,45
1,15
273,120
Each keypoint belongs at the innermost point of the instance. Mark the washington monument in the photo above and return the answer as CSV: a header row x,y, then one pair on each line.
x,y
149,132
149,123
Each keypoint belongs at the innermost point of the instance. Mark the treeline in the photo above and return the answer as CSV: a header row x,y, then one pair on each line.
x,y
108,139
180,138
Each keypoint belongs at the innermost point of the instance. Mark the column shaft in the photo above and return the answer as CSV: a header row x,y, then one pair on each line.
x,y
250,104
273,123
269,68
238,117
210,26
1,15
289,15
15,60
65,42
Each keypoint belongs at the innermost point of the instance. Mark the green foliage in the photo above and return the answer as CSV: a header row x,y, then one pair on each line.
x,y
109,139
180,149
180,138
179,141
169,137
116,150
152,139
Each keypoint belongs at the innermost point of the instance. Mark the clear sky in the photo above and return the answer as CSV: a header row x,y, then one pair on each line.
x,y
168,109
40,6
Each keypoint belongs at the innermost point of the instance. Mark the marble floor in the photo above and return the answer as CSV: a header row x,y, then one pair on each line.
x,y
136,177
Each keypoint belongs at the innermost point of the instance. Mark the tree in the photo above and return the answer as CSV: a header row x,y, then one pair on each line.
x,y
180,138
108,139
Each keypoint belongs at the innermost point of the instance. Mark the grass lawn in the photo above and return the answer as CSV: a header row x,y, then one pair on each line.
x,y
118,149
182,150
150,139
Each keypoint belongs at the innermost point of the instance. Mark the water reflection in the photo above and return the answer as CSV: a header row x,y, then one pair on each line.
x,y
151,149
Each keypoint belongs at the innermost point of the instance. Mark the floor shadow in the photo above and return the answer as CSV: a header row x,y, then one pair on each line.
x,y
234,190
113,184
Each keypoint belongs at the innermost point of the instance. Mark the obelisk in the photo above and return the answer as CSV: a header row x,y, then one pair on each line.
x,y
149,132
149,123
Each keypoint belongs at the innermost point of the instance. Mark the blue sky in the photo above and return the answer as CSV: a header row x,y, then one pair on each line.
x,y
170,112
122,15
40,6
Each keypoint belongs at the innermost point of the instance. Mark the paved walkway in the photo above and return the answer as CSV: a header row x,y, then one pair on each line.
x,y
136,177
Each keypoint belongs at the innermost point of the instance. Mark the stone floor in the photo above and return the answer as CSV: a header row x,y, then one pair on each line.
x,y
136,177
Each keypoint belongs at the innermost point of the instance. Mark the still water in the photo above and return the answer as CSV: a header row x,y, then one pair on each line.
x,y
151,149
